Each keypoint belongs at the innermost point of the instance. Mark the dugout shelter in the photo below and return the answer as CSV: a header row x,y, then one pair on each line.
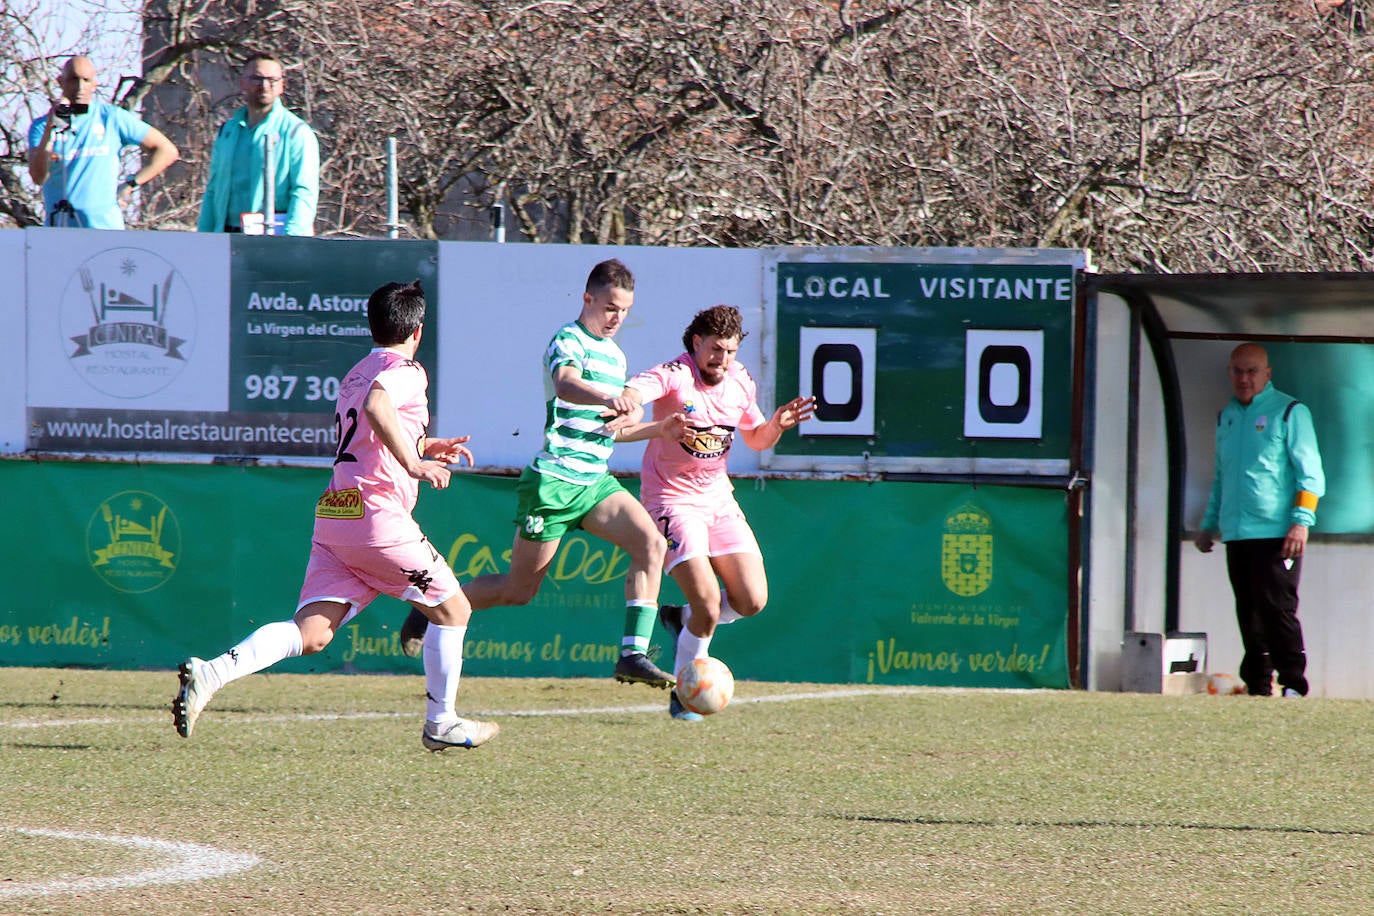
x,y
1163,342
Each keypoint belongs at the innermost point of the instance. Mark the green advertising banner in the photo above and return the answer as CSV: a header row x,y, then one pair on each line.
x,y
890,583
946,366
298,322
906,583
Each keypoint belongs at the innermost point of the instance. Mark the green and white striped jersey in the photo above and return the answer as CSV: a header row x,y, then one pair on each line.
x,y
576,443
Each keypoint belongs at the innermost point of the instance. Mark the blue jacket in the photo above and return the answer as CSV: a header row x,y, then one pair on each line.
x,y
297,171
1268,472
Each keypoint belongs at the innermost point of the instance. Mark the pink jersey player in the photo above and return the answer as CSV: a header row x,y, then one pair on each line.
x,y
701,400
370,496
693,470
366,544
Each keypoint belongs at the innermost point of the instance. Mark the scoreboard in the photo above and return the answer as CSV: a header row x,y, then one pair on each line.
x,y
955,361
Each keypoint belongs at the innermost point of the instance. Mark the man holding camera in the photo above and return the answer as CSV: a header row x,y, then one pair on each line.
x,y
74,153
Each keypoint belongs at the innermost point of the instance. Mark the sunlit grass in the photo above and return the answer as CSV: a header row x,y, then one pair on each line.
x,y
593,801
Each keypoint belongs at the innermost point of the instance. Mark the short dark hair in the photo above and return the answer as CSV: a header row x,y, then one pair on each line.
x,y
610,274
261,55
717,321
394,311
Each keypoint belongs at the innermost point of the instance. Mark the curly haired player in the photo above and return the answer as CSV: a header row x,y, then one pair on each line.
x,y
685,487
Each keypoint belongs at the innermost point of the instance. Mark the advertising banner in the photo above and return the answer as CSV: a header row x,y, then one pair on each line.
x,y
926,360
126,340
201,344
298,319
906,583
893,583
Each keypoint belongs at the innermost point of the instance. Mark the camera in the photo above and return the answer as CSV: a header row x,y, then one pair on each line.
x,y
65,110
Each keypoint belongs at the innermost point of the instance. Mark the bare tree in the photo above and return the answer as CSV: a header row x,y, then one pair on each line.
x,y
1190,135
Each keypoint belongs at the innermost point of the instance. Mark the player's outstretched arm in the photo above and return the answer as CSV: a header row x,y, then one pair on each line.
x,y
797,410
615,422
630,426
381,415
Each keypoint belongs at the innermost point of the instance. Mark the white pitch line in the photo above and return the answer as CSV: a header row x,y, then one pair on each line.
x,y
838,693
189,862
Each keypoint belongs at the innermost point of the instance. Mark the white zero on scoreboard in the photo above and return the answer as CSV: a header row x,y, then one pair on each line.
x,y
1003,384
838,366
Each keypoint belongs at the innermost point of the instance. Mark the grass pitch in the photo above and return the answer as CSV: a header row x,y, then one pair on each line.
x,y
312,794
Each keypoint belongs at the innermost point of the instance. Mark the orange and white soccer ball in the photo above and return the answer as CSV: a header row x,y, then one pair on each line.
x,y
705,685
1224,685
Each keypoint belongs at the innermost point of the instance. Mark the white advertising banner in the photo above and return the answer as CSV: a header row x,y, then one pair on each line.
x,y
126,335
128,321
13,425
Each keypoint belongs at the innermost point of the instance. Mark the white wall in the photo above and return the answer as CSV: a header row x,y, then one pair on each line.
x,y
1152,499
1106,598
13,365
496,324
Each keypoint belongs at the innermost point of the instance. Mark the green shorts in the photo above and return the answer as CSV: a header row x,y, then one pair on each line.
x,y
549,508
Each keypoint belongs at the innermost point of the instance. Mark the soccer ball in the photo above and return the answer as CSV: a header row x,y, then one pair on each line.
x,y
1224,685
705,685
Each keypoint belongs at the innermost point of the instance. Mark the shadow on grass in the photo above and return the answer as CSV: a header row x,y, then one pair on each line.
x,y
1101,825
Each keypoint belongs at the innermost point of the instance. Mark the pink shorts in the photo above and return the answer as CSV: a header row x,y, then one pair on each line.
x,y
700,531
355,575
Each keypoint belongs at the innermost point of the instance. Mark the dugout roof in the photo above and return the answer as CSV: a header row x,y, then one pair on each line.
x,y
1252,306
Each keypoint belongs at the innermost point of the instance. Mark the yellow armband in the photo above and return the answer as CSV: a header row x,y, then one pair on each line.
x,y
1305,500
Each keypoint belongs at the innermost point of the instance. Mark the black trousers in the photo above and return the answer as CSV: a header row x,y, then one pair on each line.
x,y
1266,590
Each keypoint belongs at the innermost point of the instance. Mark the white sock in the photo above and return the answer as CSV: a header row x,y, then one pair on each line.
x,y
443,654
690,646
695,647
265,646
727,613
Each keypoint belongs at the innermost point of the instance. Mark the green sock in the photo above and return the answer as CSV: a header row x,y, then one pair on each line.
x,y
639,626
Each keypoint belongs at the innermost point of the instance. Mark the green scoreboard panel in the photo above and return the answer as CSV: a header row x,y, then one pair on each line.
x,y
925,360
298,319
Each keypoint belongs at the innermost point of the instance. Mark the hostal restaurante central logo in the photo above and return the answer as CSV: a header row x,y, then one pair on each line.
x,y
133,542
129,318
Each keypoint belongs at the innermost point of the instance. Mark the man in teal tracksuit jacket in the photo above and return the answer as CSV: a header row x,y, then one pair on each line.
x,y
1265,488
235,186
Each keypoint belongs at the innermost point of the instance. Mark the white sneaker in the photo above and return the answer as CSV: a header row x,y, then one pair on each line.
x,y
191,697
1290,692
463,733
